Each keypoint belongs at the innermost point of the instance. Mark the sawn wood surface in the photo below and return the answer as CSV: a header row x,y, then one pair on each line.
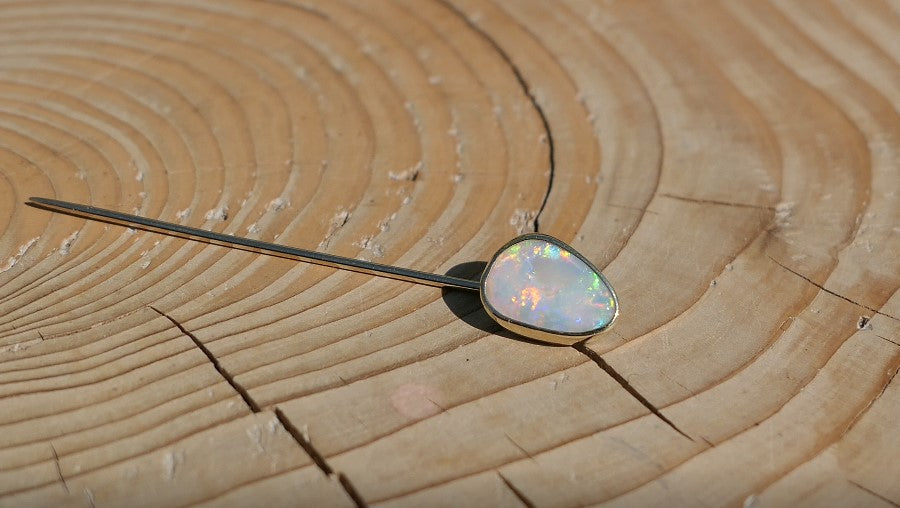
x,y
733,167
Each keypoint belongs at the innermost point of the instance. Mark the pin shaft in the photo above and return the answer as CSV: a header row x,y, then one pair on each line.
x,y
319,258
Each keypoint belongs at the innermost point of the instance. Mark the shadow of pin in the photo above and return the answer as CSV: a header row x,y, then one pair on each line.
x,y
467,306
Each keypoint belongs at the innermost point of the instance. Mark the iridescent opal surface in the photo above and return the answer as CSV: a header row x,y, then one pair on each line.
x,y
542,285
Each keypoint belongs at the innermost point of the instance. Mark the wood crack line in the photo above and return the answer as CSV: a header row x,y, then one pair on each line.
x,y
830,292
319,459
298,437
596,358
245,395
516,492
873,493
62,479
887,339
520,78
717,202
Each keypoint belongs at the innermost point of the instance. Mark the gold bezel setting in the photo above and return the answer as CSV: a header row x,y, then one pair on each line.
x,y
534,332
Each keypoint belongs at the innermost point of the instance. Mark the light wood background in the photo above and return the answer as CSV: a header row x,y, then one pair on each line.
x,y
732,166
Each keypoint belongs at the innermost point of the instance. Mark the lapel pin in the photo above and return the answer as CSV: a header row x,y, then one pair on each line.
x,y
535,286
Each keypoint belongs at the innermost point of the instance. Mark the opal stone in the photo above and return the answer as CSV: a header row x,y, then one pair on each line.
x,y
544,285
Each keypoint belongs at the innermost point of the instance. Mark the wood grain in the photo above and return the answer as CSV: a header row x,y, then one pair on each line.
x,y
732,166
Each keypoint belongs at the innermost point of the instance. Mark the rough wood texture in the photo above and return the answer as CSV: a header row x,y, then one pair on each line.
x,y
733,166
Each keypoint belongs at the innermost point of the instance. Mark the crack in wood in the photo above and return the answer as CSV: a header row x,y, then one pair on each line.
x,y
597,359
319,459
872,492
830,292
351,490
717,202
520,78
89,496
62,479
516,492
887,339
294,432
519,447
635,208
245,395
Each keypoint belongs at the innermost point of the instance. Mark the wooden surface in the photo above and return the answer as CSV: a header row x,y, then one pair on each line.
x,y
732,166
